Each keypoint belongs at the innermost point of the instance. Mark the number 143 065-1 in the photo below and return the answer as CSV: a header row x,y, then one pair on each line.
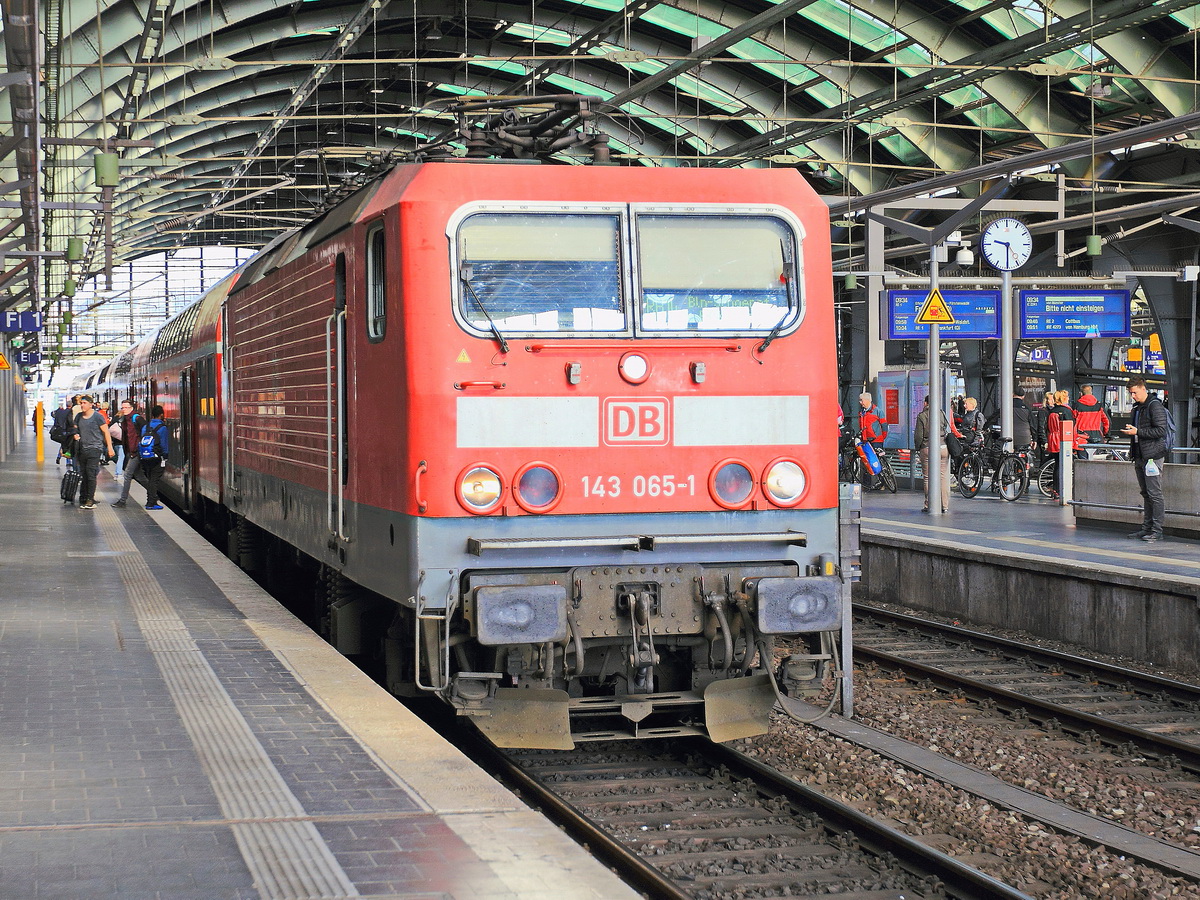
x,y
639,486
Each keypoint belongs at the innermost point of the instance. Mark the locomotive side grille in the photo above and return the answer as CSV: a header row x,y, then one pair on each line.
x,y
277,331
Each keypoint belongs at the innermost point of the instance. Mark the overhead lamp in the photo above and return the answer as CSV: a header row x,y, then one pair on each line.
x,y
1099,88
964,256
434,33
375,89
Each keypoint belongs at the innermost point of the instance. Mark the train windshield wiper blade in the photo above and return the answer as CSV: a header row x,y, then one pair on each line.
x,y
464,275
789,270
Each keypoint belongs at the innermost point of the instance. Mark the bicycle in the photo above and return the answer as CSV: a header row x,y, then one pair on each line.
x,y
1009,470
853,469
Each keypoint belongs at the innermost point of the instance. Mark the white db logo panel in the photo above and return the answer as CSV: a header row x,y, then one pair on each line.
x,y
637,421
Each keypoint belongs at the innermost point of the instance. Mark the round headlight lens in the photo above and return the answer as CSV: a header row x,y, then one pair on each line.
x,y
480,489
731,484
634,368
785,482
537,488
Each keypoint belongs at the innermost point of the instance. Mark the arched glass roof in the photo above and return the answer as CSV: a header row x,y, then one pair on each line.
x,y
265,107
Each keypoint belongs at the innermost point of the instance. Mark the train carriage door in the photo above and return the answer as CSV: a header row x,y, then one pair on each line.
x,y
187,434
336,435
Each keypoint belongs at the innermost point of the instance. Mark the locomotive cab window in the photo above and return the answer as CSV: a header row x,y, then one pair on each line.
x,y
717,273
376,283
538,273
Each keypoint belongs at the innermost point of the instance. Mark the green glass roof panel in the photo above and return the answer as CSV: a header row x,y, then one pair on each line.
x,y
500,66
542,34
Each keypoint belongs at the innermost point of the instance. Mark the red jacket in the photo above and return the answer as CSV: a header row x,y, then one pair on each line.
x,y
872,424
1090,417
1058,415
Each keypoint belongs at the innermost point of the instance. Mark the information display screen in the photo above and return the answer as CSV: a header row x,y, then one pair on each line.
x,y
976,315
1074,314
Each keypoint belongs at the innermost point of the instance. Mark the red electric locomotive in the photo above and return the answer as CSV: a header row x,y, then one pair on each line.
x,y
558,443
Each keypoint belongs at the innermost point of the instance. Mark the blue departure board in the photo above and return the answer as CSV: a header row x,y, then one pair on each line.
x,y
1074,314
976,315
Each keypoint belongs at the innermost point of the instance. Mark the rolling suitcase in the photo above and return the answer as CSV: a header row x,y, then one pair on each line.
x,y
70,485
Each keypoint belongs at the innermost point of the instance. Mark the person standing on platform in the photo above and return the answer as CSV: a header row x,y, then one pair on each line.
x,y
1022,421
92,444
922,445
1090,416
153,454
1037,424
61,431
1148,449
873,429
131,432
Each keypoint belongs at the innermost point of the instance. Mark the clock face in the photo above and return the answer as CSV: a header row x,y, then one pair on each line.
x,y
1006,244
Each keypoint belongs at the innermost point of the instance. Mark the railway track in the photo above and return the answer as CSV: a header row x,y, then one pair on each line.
x,y
1160,716
693,819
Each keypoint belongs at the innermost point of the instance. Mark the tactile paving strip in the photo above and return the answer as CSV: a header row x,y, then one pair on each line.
x,y
287,857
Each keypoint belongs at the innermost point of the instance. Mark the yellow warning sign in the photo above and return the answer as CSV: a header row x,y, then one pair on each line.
x,y
4,362
936,310
462,357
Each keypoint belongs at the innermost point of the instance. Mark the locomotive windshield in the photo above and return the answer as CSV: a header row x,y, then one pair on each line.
x,y
536,273
546,271
714,273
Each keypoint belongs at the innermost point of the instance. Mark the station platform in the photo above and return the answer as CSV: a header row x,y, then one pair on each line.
x,y
170,731
1029,565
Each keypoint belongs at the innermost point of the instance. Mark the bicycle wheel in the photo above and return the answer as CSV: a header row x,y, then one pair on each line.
x,y
1012,478
970,475
1048,478
887,476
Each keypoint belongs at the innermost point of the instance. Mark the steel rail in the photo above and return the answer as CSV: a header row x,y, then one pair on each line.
x,y
631,867
1068,718
1071,664
959,879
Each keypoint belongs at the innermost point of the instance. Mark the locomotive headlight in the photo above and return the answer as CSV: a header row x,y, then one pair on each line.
x,y
785,482
538,488
480,489
634,368
730,484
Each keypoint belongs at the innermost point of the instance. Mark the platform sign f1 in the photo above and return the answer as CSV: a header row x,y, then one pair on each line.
x,y
27,320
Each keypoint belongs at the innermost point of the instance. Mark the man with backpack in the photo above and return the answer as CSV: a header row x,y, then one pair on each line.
x,y
873,429
1091,418
1151,434
153,448
131,425
61,429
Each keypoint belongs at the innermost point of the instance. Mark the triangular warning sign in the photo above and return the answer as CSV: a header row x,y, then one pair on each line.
x,y
462,357
936,310
4,362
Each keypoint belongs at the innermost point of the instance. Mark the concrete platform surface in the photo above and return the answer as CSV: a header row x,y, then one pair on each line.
x,y
170,731
1035,529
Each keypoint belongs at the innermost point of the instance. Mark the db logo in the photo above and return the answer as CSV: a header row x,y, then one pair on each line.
x,y
638,421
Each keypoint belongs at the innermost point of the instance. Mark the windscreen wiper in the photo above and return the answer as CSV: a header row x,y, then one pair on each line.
x,y
789,269
464,275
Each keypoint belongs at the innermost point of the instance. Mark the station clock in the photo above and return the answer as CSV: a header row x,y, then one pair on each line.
x,y
1006,244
